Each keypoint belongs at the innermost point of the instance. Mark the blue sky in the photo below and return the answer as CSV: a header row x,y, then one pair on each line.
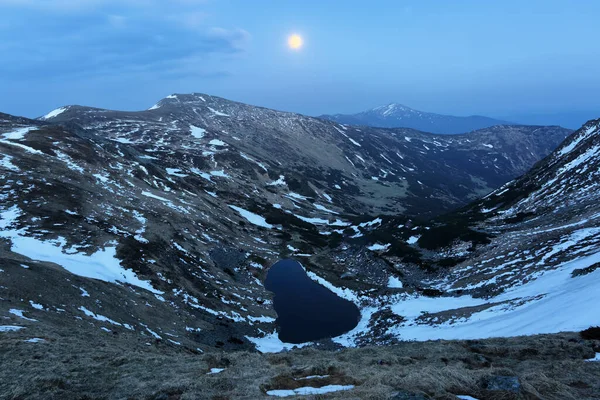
x,y
535,60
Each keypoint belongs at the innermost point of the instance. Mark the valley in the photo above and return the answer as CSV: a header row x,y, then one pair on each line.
x,y
156,229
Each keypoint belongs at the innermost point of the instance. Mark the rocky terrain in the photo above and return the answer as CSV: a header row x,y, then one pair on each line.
x,y
154,229
396,115
522,260
184,205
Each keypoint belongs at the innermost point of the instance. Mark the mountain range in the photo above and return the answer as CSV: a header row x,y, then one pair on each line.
x,y
396,115
152,232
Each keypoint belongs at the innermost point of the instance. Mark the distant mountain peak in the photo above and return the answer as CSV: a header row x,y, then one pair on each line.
x,y
177,98
396,115
394,109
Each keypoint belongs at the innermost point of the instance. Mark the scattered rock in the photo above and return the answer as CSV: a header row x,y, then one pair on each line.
x,y
404,395
502,383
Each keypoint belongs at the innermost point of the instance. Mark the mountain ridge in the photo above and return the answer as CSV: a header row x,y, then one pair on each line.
x,y
168,219
396,115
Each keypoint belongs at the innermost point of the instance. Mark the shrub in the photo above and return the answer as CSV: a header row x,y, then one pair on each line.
x,y
592,333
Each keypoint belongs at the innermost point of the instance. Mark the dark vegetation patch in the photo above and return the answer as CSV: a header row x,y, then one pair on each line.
x,y
519,217
382,320
585,271
591,333
445,235
518,190
299,184
450,261
431,292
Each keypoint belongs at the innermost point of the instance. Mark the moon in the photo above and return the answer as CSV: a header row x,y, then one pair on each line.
x,y
295,41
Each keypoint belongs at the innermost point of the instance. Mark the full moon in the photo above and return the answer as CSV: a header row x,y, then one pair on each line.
x,y
295,41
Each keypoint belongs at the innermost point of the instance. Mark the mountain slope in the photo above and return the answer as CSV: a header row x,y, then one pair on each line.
x,y
376,170
523,260
396,115
159,225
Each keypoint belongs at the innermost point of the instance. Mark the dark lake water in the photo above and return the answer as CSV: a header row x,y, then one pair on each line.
x,y
306,310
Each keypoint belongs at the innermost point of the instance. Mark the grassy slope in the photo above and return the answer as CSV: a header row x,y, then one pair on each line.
x,y
72,366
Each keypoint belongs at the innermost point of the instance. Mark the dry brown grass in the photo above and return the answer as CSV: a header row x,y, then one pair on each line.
x,y
548,367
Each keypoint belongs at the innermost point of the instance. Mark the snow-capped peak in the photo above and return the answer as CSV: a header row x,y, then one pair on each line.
x,y
393,109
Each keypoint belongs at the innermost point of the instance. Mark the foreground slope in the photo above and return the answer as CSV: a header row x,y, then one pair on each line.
x,y
396,115
540,367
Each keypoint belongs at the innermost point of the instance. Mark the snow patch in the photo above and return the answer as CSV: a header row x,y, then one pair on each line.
x,y
55,113
102,265
271,343
217,142
308,390
378,247
10,328
394,283
19,134
252,218
197,132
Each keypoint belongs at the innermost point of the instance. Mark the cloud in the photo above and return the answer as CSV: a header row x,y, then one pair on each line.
x,y
81,6
107,37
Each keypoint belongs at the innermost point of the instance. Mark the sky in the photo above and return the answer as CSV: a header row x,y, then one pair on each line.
x,y
534,61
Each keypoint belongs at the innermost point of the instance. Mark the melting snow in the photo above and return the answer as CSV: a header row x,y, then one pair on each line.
x,y
19,134
220,173
6,163
278,182
22,146
354,142
175,172
245,157
377,247
531,309
321,221
216,370
304,391
102,318
36,305
413,239
394,283
35,340
271,344
198,133
577,140
218,113
297,196
252,218
19,313
102,265
10,328
217,142
595,359
55,113
323,208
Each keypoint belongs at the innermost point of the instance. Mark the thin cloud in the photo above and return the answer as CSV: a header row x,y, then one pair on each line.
x,y
111,42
